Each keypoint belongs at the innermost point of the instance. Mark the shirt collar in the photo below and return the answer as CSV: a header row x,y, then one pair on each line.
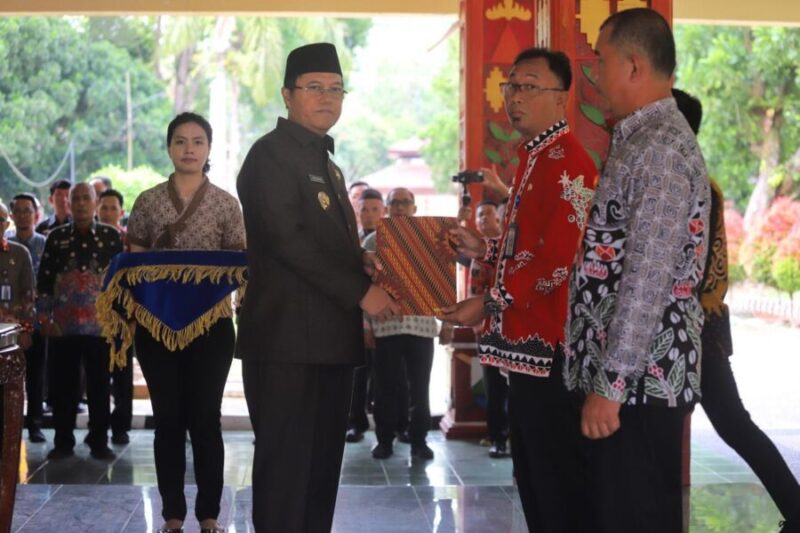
x,y
92,227
556,129
304,136
654,111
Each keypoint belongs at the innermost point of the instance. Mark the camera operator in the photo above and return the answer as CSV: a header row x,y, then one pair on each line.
x,y
525,307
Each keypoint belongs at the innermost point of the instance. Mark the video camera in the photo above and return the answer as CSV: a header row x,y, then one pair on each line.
x,y
466,177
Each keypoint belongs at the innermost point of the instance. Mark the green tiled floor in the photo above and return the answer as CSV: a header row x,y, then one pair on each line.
x,y
462,489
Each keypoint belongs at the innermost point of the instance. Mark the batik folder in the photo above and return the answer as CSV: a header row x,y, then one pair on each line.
x,y
419,268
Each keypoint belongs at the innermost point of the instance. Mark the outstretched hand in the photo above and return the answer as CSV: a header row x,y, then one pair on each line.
x,y
469,312
468,242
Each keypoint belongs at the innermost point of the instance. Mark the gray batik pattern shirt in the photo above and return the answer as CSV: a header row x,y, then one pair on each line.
x,y
634,319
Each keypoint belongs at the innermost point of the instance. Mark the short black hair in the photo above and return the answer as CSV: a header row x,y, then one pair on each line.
x,y
185,118
371,194
59,185
115,193
557,62
646,30
691,108
357,184
486,201
25,196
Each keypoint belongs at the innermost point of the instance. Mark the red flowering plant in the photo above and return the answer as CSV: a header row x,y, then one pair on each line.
x,y
758,250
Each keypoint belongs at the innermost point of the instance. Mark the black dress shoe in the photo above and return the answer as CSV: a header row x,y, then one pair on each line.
x,y
36,435
103,453
120,437
498,450
382,451
212,530
353,435
60,453
421,451
164,529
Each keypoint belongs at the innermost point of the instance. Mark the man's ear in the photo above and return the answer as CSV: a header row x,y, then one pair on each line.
x,y
286,94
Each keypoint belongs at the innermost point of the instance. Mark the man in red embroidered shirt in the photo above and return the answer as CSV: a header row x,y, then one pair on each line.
x,y
526,307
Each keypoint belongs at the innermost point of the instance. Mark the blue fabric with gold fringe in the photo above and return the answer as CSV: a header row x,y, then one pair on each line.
x,y
177,295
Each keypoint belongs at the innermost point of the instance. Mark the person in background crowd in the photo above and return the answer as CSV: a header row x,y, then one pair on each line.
x,y
634,313
59,200
187,212
101,184
354,193
25,213
721,400
403,343
495,384
69,280
370,209
110,211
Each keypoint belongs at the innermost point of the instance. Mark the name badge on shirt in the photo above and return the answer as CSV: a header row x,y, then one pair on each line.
x,y
511,241
5,292
316,179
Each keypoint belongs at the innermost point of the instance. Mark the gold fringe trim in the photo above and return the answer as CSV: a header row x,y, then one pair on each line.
x,y
113,325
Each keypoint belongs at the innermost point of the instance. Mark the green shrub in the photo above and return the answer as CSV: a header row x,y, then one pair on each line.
x,y
786,273
761,268
736,273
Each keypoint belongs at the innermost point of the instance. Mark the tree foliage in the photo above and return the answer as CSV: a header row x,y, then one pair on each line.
x,y
747,80
441,134
61,81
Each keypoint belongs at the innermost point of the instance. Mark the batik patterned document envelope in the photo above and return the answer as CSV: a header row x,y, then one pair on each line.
x,y
419,267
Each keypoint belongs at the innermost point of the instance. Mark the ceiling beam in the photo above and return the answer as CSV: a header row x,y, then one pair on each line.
x,y
770,12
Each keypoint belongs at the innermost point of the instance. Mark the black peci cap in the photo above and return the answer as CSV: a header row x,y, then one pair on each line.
x,y
317,57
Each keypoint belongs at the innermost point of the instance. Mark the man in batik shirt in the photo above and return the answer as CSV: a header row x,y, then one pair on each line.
x,y
526,306
634,315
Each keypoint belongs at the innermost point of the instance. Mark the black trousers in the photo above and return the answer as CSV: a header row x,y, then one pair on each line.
x,y
392,355
496,386
635,474
66,354
186,389
299,416
363,386
34,381
362,375
546,448
122,390
732,422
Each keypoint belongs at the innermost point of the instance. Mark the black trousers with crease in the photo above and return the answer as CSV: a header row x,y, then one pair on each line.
x,y
299,414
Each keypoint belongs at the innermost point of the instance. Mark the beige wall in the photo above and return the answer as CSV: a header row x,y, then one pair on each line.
x,y
706,11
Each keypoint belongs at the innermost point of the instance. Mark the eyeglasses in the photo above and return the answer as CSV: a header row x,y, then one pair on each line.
x,y
401,203
510,89
319,91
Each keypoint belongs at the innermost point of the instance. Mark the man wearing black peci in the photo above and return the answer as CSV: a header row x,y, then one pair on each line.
x,y
300,329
